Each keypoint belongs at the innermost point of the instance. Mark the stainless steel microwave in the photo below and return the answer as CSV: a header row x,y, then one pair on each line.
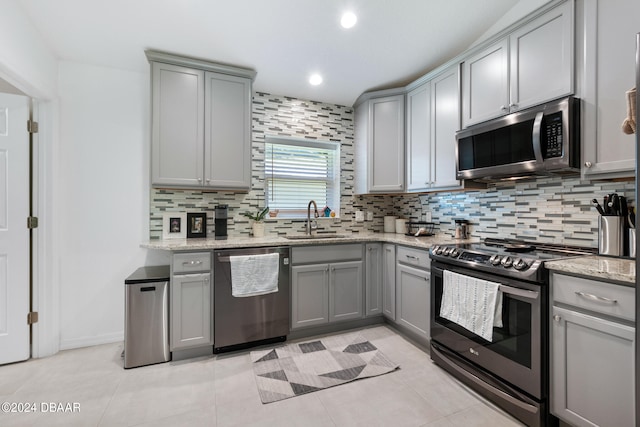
x,y
542,140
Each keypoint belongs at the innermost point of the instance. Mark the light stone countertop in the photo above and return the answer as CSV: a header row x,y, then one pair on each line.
x,y
595,267
424,242
622,270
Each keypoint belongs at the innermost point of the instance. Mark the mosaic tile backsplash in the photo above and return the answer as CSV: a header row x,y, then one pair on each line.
x,y
555,210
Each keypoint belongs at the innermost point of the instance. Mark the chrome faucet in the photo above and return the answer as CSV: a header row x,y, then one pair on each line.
x,y
316,215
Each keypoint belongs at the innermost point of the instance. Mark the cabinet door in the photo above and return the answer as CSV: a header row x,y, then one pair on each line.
x,y
177,130
412,287
373,279
345,291
445,113
309,295
541,55
227,131
607,49
191,314
485,84
386,144
419,138
592,370
389,281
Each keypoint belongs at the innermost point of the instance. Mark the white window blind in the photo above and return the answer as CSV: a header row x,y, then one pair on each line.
x,y
297,171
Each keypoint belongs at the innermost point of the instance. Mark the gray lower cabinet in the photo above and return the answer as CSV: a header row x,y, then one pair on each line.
x,y
373,279
389,281
592,352
191,301
309,295
325,289
413,290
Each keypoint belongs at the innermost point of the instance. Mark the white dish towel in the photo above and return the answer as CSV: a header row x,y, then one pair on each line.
x,y
253,275
472,303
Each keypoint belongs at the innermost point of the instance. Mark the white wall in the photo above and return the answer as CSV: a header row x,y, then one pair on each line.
x,y
25,60
103,197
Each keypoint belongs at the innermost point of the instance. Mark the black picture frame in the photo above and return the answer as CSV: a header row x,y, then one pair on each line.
x,y
196,224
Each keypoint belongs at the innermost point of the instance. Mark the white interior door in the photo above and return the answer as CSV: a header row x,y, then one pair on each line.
x,y
14,235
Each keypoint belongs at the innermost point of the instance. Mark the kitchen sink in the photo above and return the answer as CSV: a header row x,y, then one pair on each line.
x,y
315,236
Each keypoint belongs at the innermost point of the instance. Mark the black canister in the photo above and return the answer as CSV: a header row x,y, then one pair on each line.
x,y
220,221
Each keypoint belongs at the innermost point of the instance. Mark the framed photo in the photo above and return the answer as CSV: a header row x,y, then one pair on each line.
x,y
174,225
197,224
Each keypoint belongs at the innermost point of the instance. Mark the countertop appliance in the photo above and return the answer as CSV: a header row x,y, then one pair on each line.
x,y
146,317
512,370
542,140
241,322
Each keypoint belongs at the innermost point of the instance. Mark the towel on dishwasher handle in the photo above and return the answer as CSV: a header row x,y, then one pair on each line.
x,y
253,275
474,304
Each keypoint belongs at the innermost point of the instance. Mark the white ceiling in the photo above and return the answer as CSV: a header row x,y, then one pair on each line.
x,y
393,43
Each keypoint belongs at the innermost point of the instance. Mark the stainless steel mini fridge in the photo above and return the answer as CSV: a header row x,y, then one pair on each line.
x,y
146,333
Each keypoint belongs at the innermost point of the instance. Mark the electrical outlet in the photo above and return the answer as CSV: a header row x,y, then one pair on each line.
x,y
359,216
369,216
427,216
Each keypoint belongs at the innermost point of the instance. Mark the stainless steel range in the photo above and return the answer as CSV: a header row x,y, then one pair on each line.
x,y
509,364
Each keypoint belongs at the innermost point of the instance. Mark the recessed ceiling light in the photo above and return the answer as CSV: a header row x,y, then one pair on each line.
x,y
315,79
348,20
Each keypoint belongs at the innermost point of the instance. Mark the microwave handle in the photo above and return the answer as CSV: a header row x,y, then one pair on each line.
x,y
535,136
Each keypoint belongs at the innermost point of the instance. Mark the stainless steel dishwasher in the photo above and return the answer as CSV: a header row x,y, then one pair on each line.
x,y
247,321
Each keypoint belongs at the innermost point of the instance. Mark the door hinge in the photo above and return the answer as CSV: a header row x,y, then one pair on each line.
x,y
32,317
32,222
32,126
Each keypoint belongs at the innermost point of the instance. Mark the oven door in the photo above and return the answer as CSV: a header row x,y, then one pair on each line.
x,y
515,354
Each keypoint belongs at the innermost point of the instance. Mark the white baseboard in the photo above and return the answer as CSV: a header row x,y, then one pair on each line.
x,y
90,341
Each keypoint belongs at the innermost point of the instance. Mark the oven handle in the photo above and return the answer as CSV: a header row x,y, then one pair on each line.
x,y
493,390
520,292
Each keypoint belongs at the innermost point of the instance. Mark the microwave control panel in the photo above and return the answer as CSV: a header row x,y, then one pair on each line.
x,y
552,133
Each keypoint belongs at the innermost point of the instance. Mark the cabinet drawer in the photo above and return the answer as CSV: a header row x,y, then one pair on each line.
x,y
326,253
600,297
415,257
189,262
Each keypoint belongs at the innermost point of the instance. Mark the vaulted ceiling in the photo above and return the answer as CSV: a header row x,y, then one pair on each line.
x,y
285,41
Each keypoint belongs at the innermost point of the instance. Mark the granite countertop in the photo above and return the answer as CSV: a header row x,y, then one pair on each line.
x,y
254,242
622,270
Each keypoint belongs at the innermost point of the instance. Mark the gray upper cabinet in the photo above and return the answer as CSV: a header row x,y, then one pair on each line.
x,y
177,125
606,47
531,65
379,139
227,131
201,124
486,84
433,117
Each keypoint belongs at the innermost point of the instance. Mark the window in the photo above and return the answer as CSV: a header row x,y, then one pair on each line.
x,y
297,171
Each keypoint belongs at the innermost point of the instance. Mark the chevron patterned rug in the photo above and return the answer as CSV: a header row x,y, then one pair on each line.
x,y
302,368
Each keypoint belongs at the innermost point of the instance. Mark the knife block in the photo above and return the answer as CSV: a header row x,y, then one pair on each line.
x,y
611,235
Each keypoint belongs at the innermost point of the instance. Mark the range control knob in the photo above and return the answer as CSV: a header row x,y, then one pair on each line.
x,y
454,252
447,251
434,250
520,264
495,259
506,262
439,250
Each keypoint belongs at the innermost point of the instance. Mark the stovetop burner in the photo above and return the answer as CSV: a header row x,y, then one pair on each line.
x,y
516,258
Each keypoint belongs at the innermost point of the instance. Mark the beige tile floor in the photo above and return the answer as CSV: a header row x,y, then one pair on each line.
x,y
221,391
